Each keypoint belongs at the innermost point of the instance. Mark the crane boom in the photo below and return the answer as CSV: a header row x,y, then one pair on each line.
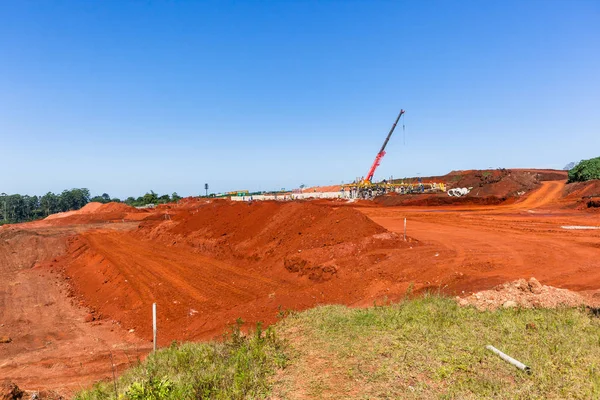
x,y
381,153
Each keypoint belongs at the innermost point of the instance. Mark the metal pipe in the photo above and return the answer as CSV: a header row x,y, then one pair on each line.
x,y
509,359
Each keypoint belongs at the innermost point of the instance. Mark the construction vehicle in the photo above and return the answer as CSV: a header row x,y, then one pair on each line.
x,y
369,178
365,188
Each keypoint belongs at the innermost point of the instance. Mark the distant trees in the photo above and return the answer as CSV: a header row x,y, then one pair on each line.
x,y
586,170
152,198
17,208
105,198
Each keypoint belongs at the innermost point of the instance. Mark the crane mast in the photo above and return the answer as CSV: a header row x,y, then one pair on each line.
x,y
381,153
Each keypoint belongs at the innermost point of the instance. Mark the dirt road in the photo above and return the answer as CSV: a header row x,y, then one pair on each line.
x,y
485,246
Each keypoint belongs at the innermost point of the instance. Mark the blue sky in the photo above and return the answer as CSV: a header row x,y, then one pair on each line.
x,y
123,97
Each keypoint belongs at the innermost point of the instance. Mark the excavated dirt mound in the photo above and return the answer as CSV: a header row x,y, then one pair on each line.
x,y
218,261
268,228
443,199
116,207
473,177
583,194
522,293
87,209
93,213
489,187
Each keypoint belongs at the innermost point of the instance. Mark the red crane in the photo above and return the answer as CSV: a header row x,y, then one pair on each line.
x,y
381,153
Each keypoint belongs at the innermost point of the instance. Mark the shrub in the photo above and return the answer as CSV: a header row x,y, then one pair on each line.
x,y
586,170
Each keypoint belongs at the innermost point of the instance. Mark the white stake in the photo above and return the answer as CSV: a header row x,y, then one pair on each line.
x,y
405,229
154,324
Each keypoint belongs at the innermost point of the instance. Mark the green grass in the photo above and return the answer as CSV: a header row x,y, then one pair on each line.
x,y
426,348
431,348
237,368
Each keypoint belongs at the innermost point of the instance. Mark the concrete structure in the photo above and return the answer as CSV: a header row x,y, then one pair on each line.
x,y
294,196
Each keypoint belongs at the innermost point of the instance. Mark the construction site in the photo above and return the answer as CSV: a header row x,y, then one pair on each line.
x,y
78,287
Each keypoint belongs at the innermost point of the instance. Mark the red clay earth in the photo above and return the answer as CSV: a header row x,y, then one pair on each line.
x,y
488,187
208,263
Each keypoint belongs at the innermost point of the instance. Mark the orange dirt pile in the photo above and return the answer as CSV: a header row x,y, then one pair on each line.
x,y
489,187
87,209
94,213
322,189
522,293
210,265
268,228
583,195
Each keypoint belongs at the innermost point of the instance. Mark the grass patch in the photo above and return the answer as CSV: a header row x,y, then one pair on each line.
x,y
425,348
431,348
238,368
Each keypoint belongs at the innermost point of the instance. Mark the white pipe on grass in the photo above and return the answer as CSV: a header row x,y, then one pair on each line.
x,y
509,359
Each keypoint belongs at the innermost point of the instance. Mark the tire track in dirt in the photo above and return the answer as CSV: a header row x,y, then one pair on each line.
x,y
52,346
486,247
121,276
548,193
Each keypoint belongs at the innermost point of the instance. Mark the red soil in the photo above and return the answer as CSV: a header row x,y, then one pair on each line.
x,y
52,347
94,213
583,195
208,266
208,263
488,187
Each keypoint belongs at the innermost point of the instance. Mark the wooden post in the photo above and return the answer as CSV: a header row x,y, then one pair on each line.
x,y
405,229
154,324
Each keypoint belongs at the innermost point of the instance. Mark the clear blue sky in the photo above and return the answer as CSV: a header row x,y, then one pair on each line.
x,y
123,97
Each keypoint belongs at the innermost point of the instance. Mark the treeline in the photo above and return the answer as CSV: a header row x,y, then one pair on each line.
x,y
152,198
15,208
19,208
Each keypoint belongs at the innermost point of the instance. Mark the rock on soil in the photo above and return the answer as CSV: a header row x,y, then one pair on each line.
x,y
5,339
522,293
10,391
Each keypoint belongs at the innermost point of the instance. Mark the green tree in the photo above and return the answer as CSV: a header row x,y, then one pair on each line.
x,y
49,203
164,199
586,170
150,198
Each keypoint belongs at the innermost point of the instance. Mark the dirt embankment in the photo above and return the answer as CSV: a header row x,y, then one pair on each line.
x,y
94,213
49,340
261,230
488,187
583,195
210,263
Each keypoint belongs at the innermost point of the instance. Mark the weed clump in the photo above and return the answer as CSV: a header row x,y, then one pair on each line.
x,y
239,367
